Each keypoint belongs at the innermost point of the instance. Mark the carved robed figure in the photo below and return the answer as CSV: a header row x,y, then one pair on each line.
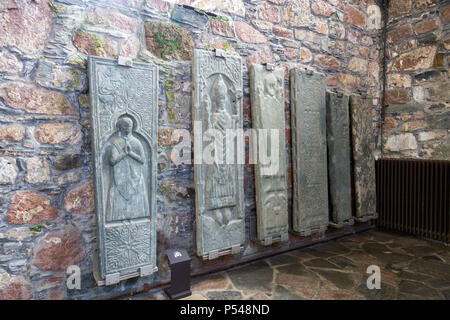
x,y
128,193
217,108
220,185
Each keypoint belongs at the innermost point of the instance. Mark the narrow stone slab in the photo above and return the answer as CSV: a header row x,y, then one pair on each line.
x,y
124,118
363,159
189,16
267,97
309,152
339,166
219,175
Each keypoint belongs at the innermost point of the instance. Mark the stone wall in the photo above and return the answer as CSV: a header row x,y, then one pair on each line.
x,y
46,203
417,115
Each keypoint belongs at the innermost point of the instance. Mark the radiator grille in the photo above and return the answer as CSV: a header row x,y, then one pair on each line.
x,y
413,197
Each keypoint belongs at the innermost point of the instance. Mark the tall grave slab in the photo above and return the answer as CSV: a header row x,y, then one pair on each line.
x,y
363,158
339,161
218,159
267,97
309,152
124,141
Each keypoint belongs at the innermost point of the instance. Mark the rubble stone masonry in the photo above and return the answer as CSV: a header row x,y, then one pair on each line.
x,y
417,114
47,218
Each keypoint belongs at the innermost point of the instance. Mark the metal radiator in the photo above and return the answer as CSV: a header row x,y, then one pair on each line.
x,y
413,196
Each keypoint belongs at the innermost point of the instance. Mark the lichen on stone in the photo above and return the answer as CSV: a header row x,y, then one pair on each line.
x,y
168,41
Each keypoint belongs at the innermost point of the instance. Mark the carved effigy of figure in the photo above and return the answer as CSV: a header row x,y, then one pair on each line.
x,y
221,176
271,186
269,105
128,196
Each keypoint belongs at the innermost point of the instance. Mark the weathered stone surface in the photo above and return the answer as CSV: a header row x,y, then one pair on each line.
x,y
224,295
25,25
63,77
264,55
111,20
189,16
68,161
248,34
327,61
414,125
363,158
291,53
218,181
331,81
308,118
400,33
9,62
398,80
421,4
399,7
445,14
426,26
281,293
417,289
282,32
348,81
305,55
35,100
93,44
262,25
11,133
124,141
267,95
130,47
261,280
14,287
373,17
429,135
336,30
80,199
214,282
405,141
231,6
29,208
421,58
37,170
8,170
404,108
358,65
159,5
59,249
168,41
355,17
222,28
339,170
297,14
322,8
55,133
269,12
396,96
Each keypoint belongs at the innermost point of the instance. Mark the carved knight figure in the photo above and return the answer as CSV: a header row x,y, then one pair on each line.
x,y
221,176
128,196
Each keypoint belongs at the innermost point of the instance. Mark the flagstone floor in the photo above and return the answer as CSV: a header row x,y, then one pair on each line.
x,y
411,268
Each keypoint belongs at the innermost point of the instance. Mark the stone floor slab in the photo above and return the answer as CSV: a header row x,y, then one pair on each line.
x,y
411,268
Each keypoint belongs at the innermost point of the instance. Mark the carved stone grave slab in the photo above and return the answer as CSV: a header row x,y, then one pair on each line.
x,y
267,98
124,137
219,177
309,152
363,159
339,165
